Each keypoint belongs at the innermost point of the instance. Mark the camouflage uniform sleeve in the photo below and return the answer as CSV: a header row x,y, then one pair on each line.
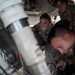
x,y
50,62
52,57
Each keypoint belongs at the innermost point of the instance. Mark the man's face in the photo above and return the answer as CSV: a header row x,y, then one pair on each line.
x,y
61,44
62,7
44,24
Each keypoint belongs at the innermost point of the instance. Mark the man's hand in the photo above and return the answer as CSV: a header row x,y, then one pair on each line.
x,y
61,64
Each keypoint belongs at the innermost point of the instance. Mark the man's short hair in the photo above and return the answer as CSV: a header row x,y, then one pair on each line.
x,y
45,16
61,27
62,1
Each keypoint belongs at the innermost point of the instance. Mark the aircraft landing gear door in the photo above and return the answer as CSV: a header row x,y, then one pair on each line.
x,y
15,19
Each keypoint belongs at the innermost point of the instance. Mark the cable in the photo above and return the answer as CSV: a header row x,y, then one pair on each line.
x,y
3,71
52,2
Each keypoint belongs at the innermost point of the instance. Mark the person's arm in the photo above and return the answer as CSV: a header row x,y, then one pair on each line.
x,y
53,58
50,62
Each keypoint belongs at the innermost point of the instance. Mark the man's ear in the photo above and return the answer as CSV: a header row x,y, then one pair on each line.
x,y
66,36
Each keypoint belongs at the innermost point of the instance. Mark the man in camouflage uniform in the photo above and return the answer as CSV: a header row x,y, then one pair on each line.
x,y
66,11
69,15
60,29
41,31
53,57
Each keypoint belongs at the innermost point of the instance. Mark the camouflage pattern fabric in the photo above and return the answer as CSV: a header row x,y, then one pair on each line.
x,y
69,15
52,56
44,34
